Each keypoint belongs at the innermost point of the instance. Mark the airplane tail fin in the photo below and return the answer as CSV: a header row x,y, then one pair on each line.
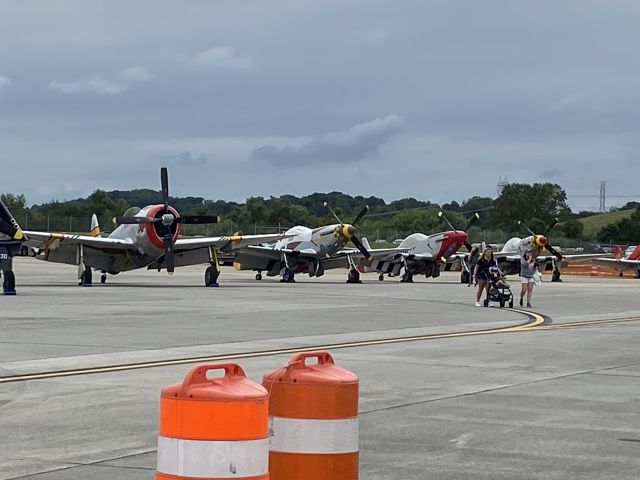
x,y
95,226
365,242
8,224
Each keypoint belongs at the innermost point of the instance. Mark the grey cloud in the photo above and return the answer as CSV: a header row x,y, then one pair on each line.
x,y
349,146
222,57
95,84
136,74
550,174
4,82
185,159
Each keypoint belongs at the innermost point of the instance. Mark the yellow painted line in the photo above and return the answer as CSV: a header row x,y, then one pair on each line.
x,y
534,321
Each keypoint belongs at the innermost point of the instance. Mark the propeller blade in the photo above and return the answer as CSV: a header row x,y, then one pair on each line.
x,y
553,223
164,180
8,224
198,219
444,217
554,252
362,213
169,259
472,221
526,227
332,212
361,247
135,220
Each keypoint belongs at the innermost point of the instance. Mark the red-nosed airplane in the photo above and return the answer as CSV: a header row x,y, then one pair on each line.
x,y
630,260
145,238
422,254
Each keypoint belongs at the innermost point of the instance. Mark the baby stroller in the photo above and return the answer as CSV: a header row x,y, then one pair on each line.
x,y
499,290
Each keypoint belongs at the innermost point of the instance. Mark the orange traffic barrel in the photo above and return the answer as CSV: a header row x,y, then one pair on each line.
x,y
595,271
213,427
313,419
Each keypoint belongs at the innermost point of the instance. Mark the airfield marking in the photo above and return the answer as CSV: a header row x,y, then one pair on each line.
x,y
535,321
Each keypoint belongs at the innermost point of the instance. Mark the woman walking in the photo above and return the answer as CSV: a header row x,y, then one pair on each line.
x,y
474,254
482,274
527,274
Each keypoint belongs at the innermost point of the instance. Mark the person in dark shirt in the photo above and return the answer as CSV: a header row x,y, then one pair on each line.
x,y
473,259
482,273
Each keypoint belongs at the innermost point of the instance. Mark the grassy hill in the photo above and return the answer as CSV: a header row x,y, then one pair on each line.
x,y
594,223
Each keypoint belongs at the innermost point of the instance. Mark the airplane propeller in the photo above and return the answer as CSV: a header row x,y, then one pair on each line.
x,y
349,231
167,220
8,224
471,222
548,228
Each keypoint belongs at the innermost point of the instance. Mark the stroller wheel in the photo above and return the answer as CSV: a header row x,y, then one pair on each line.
x,y
486,302
501,303
511,303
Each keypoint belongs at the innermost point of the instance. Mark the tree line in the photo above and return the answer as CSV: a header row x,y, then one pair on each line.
x,y
536,204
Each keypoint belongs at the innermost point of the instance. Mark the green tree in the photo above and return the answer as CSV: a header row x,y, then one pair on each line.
x,y
572,228
521,201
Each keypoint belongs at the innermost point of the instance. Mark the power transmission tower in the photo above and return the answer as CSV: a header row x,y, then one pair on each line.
x,y
603,206
502,182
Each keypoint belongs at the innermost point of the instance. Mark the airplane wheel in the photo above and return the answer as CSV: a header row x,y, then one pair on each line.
x,y
210,277
9,283
86,279
288,276
407,277
501,303
464,277
24,251
620,273
637,275
258,276
103,278
380,277
353,276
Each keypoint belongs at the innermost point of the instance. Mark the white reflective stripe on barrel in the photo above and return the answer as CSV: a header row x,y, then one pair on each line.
x,y
211,459
297,435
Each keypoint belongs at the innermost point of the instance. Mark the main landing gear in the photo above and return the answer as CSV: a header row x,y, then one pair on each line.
x,y
288,276
211,275
86,278
353,276
407,276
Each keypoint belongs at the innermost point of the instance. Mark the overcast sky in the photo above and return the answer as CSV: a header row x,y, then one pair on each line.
x,y
430,99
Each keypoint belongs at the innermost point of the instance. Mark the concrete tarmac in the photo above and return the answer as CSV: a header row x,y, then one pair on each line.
x,y
555,401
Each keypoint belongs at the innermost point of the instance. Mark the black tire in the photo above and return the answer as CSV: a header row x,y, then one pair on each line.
x,y
210,276
103,278
258,276
501,303
486,302
407,277
9,283
86,278
381,277
511,303
288,276
464,276
24,251
353,276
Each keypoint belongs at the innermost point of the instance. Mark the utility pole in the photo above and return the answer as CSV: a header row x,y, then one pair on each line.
x,y
603,206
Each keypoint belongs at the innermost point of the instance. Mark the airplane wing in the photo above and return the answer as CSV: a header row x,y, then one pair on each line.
x,y
226,243
53,241
616,263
